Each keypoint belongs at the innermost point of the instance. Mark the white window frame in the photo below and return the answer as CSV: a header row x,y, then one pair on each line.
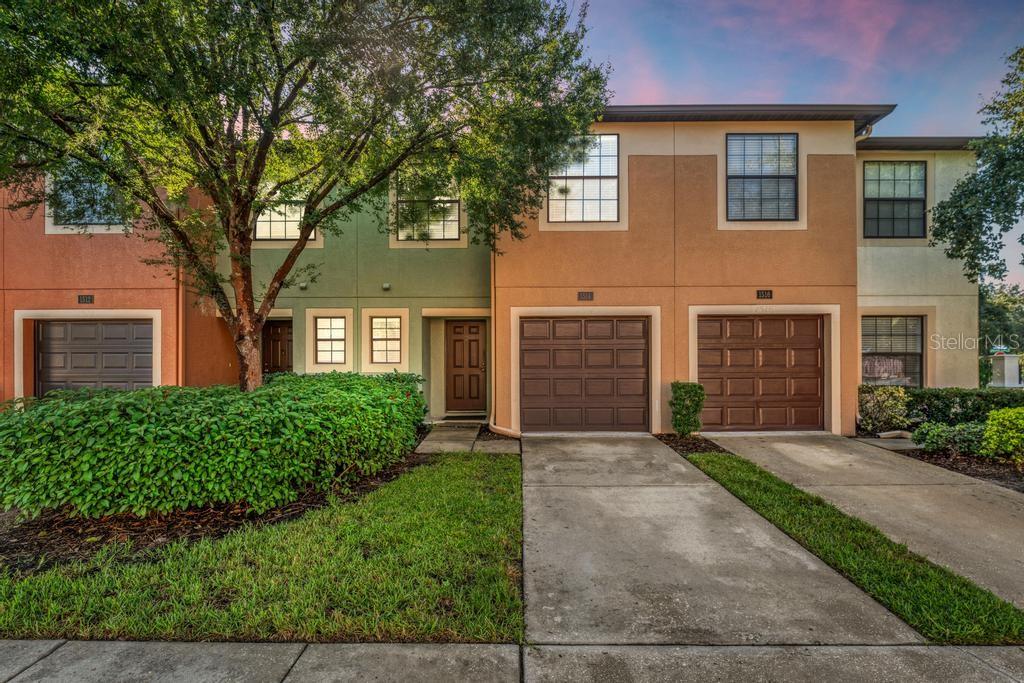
x,y
51,227
366,335
311,364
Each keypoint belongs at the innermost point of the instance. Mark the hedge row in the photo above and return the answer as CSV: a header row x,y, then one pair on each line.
x,y
883,408
172,448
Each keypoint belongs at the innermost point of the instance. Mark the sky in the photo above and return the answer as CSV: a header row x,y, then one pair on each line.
x,y
938,60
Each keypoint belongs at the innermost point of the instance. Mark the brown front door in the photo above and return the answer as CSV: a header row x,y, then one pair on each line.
x,y
761,372
465,365
584,374
277,346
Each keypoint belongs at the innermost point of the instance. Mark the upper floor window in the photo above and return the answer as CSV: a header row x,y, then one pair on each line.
x,y
81,202
894,199
280,222
587,190
421,219
761,174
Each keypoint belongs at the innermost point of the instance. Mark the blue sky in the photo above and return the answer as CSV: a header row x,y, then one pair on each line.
x,y
939,61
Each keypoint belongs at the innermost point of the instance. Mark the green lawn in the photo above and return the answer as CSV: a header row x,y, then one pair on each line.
x,y
431,556
943,606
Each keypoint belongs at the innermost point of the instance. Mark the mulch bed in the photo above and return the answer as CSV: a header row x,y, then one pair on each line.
x,y
487,435
57,537
684,445
1000,472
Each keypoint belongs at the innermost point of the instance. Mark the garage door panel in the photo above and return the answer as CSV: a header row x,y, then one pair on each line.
x,y
772,358
567,387
631,358
736,387
713,386
568,417
567,329
631,329
536,358
72,354
599,329
739,358
584,374
805,358
771,329
739,329
709,329
567,359
629,387
535,329
772,379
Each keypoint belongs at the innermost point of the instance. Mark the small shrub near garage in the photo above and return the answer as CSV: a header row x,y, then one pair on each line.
x,y
172,448
686,404
1004,435
882,408
961,439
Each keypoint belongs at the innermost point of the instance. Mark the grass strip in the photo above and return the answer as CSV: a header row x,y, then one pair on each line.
x,y
943,606
431,556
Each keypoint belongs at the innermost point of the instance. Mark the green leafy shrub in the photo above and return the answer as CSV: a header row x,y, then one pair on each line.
x,y
933,437
687,402
1004,435
962,439
882,408
172,448
953,405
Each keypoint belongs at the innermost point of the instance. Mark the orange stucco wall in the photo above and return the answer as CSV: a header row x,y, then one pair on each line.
x,y
674,255
40,271
209,354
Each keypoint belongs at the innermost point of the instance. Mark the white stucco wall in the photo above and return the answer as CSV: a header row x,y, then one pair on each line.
x,y
908,277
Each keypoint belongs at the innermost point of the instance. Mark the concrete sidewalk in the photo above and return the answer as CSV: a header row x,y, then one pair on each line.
x,y
973,527
627,543
114,662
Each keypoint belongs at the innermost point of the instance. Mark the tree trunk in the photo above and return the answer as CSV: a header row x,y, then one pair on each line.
x,y
250,362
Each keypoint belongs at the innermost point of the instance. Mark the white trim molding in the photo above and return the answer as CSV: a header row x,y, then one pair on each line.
x,y
833,368
652,312
310,363
20,316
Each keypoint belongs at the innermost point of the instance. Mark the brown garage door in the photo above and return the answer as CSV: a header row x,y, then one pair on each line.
x,y
114,354
761,372
584,374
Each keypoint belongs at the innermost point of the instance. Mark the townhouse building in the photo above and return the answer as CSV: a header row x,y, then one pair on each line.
x,y
777,254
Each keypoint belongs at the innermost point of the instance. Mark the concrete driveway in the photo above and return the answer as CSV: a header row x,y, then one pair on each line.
x,y
627,543
973,527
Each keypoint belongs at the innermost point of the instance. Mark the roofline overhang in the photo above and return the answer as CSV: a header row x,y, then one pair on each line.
x,y
916,143
862,115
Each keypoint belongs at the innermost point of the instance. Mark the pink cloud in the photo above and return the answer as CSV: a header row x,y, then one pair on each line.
x,y
867,37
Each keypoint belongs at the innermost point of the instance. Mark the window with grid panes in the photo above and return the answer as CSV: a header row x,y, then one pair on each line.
x,y
761,170
892,350
385,339
587,190
280,223
330,340
420,219
894,199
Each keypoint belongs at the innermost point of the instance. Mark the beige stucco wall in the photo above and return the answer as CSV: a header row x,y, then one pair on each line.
x,y
676,253
909,277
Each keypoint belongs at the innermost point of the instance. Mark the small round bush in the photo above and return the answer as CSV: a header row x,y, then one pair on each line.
x,y
1004,434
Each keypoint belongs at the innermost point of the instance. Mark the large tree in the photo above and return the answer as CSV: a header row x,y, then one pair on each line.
x,y
983,207
138,106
